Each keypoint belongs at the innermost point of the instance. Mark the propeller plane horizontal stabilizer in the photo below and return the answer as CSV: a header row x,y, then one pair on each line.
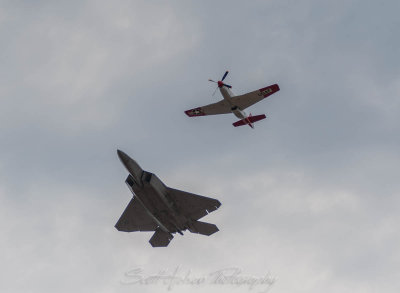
x,y
249,120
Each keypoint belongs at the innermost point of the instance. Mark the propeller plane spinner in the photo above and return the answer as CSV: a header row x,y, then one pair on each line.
x,y
234,104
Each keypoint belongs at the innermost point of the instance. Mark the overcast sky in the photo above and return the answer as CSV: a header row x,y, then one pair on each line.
x,y
311,195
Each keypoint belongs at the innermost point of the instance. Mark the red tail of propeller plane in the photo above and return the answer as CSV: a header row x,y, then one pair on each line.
x,y
249,120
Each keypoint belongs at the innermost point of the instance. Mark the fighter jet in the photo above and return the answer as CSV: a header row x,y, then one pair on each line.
x,y
157,207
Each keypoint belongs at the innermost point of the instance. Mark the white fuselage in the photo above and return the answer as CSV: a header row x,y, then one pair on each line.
x,y
228,95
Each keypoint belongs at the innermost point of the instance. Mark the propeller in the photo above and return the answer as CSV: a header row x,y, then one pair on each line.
x,y
225,74
215,91
220,82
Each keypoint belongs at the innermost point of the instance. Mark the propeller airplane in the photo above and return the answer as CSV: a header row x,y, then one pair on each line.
x,y
234,104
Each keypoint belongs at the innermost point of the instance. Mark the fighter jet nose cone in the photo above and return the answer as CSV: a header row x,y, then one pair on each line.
x,y
122,156
130,164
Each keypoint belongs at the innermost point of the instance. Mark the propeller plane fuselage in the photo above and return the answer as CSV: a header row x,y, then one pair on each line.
x,y
228,95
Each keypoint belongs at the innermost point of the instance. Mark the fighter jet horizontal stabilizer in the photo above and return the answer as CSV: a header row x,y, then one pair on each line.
x,y
203,228
161,238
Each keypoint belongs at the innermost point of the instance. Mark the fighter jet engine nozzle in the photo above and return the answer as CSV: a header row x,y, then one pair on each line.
x,y
130,164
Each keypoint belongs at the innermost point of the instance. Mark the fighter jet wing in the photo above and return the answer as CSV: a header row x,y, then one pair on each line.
x,y
221,107
246,100
135,218
192,205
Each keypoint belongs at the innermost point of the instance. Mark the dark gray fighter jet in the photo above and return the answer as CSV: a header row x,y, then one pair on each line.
x,y
157,207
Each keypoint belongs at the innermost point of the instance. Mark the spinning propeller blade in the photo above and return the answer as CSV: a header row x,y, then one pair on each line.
x,y
225,74
215,91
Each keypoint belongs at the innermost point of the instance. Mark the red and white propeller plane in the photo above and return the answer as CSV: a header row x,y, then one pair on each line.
x,y
235,104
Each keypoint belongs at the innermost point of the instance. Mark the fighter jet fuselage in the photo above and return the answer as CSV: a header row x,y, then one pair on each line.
x,y
156,207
